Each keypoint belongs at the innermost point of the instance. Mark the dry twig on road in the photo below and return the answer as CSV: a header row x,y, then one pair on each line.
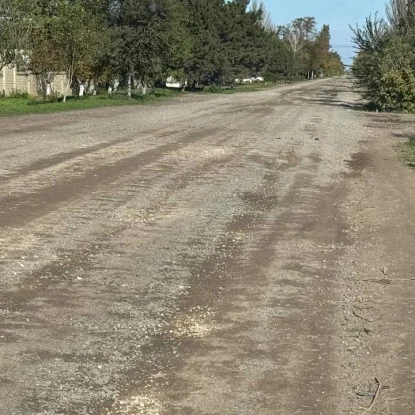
x,y
362,318
374,398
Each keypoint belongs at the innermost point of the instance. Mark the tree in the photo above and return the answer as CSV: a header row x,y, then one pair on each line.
x,y
16,24
209,55
332,64
296,35
385,62
371,35
401,15
318,51
149,39
258,41
130,42
67,39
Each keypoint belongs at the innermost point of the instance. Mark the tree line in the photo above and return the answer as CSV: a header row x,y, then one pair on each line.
x,y
142,42
385,63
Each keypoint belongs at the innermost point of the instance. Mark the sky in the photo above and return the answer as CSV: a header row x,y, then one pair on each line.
x,y
337,13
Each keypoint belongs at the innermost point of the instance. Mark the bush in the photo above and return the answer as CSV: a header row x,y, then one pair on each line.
x,y
397,90
386,74
17,94
214,89
272,77
46,99
278,77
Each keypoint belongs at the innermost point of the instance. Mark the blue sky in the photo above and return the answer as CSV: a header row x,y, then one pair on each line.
x,y
337,13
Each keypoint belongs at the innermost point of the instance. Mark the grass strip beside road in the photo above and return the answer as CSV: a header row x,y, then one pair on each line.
x,y
24,106
407,152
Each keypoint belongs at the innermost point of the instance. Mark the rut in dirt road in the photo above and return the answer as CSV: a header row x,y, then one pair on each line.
x,y
204,257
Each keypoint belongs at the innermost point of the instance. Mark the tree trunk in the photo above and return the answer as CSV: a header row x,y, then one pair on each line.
x,y
295,63
91,87
68,85
129,86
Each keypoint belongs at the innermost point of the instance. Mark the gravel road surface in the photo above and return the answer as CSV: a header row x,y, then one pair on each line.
x,y
230,255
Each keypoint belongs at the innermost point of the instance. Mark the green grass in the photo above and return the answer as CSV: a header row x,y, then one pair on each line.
x,y
254,87
407,152
24,106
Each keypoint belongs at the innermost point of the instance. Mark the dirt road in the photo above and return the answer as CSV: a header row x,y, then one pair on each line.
x,y
233,254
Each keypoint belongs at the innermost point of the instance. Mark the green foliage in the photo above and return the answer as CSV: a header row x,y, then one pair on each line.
x,y
371,36
406,152
397,80
214,89
67,39
310,50
332,65
50,99
16,24
22,106
16,94
125,43
384,65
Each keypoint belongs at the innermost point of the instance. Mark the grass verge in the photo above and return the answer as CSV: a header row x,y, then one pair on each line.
x,y
25,106
407,152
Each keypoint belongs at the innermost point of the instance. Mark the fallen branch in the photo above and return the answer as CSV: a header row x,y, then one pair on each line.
x,y
379,281
374,398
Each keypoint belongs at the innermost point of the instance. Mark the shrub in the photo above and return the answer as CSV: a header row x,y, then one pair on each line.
x,y
16,93
385,71
214,89
55,97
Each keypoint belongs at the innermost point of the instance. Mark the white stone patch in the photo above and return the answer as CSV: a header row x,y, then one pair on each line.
x,y
138,405
195,324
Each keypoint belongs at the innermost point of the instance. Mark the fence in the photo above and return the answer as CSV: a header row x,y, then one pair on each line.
x,y
13,80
